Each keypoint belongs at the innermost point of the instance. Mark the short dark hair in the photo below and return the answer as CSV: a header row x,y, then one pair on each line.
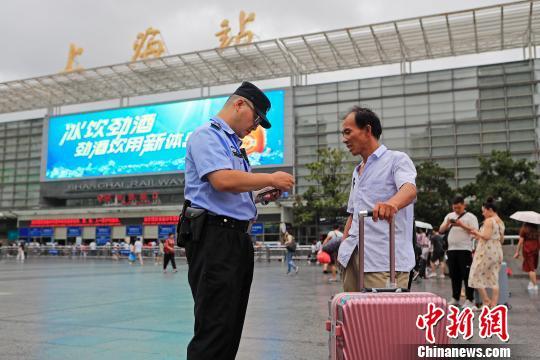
x,y
336,226
171,234
364,117
458,200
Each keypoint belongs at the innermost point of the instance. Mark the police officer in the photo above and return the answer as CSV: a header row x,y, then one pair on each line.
x,y
220,254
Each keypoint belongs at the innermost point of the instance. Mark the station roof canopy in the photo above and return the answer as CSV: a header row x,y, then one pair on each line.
x,y
493,28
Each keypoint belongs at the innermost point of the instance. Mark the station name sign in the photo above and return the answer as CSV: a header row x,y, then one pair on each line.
x,y
127,184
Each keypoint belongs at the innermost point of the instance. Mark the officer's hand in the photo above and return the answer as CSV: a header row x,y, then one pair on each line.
x,y
282,180
384,211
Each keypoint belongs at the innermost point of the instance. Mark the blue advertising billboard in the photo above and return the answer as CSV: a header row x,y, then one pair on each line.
x,y
74,231
47,232
257,229
165,230
103,231
147,139
134,230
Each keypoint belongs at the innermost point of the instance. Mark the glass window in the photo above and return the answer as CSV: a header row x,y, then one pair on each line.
x,y
304,100
327,109
520,112
419,152
443,130
468,173
443,140
375,105
306,110
442,116
419,119
397,143
468,139
492,104
370,93
441,107
306,130
491,80
464,83
310,140
392,90
521,77
468,162
345,107
348,95
520,101
445,97
348,85
527,146
370,83
492,93
519,90
446,163
488,148
521,124
327,97
469,96
416,88
396,80
494,126
494,137
468,149
492,114
440,85
490,70
440,75
393,121
304,90
522,135
468,128
328,139
443,151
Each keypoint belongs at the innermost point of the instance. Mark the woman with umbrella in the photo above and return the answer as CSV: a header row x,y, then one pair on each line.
x,y
529,244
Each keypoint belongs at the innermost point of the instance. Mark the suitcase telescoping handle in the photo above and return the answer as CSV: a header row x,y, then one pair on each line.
x,y
392,249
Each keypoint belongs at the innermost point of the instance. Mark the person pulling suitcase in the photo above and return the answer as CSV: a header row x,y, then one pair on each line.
x,y
385,182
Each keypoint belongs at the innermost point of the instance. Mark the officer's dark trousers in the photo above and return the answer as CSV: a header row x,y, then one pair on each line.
x,y
459,264
220,275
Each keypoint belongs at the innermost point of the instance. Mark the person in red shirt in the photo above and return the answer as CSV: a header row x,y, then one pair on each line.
x,y
168,254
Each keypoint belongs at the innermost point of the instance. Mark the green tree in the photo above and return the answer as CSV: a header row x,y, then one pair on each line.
x,y
434,194
329,194
512,183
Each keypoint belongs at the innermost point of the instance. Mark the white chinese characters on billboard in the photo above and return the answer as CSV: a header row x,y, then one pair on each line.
x,y
147,139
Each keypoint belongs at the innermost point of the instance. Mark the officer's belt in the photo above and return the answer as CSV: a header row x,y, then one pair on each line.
x,y
228,222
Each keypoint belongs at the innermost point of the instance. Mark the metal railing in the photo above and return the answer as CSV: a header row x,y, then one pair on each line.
x,y
263,252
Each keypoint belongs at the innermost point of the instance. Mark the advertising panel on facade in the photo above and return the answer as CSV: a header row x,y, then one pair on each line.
x,y
165,230
147,139
74,231
134,230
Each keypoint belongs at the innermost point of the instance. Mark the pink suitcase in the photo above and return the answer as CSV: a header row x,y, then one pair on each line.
x,y
380,323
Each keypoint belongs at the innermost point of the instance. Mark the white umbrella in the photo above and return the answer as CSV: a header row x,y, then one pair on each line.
x,y
423,225
526,216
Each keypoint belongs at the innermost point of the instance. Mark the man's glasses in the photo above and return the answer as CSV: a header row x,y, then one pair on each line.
x,y
258,119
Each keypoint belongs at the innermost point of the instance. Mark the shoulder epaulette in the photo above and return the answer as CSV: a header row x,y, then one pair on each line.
x,y
215,125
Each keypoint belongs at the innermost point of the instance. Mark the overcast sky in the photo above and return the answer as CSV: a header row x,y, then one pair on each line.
x,y
36,34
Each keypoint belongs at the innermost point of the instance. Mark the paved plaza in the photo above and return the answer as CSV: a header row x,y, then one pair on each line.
x,y
56,308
